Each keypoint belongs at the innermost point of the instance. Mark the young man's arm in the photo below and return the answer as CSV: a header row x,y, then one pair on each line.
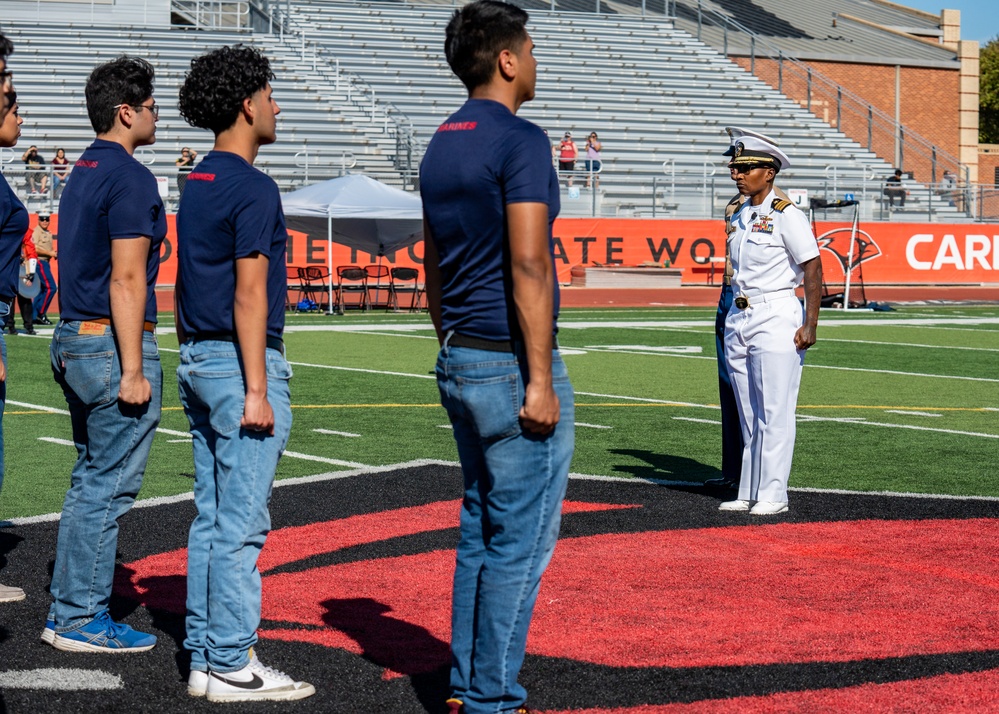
x,y
533,297
250,315
128,314
432,285
805,336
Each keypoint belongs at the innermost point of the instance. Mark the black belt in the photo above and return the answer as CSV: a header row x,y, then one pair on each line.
x,y
274,343
479,343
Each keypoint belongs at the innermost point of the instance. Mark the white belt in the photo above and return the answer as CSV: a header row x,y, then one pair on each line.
x,y
765,297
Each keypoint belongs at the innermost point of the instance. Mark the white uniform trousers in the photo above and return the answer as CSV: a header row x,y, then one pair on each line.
x,y
765,368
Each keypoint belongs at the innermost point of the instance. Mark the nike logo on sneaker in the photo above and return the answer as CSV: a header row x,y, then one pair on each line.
x,y
255,683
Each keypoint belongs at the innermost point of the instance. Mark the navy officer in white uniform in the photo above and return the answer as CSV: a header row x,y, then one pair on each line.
x,y
767,331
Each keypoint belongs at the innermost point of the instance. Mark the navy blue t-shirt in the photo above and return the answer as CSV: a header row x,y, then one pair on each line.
x,y
111,197
481,159
230,210
13,226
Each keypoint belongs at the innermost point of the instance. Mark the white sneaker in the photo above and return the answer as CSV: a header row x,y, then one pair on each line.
x,y
197,683
738,505
768,508
9,593
255,682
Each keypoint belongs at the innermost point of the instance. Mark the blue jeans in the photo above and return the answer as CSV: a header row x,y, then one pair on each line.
x,y
233,474
732,444
514,485
112,442
44,298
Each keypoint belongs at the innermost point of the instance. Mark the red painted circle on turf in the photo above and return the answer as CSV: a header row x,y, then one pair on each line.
x,y
781,593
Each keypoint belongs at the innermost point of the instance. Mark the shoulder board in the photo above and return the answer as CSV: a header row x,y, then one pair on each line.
x,y
780,205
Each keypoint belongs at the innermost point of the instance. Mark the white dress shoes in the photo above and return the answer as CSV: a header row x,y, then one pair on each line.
x,y
738,505
768,508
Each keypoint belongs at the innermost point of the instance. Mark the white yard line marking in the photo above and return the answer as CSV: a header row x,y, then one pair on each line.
x,y
331,432
445,426
699,421
593,426
679,349
901,426
901,411
648,400
367,371
53,440
66,680
324,460
337,475
187,436
910,344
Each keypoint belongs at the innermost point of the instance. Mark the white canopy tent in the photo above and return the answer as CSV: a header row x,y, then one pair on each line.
x,y
356,211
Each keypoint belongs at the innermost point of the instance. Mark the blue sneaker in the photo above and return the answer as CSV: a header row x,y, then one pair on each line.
x,y
48,634
102,634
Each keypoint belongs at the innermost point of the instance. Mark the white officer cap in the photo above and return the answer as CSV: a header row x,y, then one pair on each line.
x,y
753,148
735,133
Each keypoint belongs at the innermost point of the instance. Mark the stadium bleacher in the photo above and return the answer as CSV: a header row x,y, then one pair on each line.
x,y
354,77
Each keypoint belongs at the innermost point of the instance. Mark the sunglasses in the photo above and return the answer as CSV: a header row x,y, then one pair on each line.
x,y
139,107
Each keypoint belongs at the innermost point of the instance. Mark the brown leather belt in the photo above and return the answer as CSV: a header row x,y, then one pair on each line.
x,y
147,326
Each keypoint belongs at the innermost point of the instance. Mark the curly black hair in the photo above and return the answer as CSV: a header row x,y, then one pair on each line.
x,y
216,85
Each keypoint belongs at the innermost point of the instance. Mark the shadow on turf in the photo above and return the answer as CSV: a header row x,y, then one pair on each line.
x,y
665,467
396,645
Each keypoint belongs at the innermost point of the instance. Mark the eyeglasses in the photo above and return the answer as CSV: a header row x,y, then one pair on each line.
x,y
152,107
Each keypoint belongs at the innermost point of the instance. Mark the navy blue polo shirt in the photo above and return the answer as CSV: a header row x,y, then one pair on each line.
x,y
480,160
111,197
13,226
229,210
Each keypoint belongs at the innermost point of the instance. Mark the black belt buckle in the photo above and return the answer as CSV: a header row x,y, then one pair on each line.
x,y
741,301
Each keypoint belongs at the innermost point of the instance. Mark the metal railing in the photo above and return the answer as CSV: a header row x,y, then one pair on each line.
x,y
383,115
846,111
676,192
213,14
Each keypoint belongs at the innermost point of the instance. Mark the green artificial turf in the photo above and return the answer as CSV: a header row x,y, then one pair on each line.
x,y
647,395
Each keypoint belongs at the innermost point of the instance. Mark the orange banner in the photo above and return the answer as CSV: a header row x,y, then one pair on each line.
x,y
886,253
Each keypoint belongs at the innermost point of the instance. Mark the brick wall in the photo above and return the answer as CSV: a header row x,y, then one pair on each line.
x,y
988,168
929,104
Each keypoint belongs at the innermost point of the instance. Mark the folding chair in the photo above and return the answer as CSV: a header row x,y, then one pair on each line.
x,y
314,286
351,279
294,289
375,274
405,280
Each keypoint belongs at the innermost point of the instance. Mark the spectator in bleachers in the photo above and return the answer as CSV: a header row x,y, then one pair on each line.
x,y
894,189
60,170
13,224
38,180
948,187
593,163
185,165
567,153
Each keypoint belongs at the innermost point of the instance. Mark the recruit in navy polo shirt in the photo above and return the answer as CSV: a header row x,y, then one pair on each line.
x,y
480,160
111,197
13,226
230,210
